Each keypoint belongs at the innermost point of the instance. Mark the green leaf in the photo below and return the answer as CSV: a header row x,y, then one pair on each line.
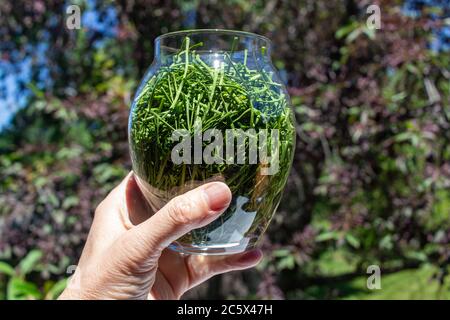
x,y
19,289
386,242
36,91
370,33
287,262
281,253
7,269
29,262
56,289
345,30
327,236
353,35
404,136
105,172
417,255
70,202
352,240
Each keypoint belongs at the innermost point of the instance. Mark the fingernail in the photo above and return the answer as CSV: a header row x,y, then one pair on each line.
x,y
250,257
218,195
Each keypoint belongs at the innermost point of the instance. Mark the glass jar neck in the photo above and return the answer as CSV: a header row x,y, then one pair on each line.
x,y
213,41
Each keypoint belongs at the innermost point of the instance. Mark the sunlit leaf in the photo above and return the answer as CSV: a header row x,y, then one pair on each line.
x,y
30,261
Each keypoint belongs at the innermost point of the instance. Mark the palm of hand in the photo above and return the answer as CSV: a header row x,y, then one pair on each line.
x,y
126,255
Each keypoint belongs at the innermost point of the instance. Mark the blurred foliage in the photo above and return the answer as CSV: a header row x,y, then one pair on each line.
x,y
414,284
371,176
18,287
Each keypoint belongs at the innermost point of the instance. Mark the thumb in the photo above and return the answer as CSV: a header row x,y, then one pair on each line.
x,y
189,211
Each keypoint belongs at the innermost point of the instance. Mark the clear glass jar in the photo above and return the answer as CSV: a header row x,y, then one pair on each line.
x,y
211,107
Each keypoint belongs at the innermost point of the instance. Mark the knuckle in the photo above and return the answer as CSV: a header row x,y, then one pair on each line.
x,y
100,208
180,210
130,257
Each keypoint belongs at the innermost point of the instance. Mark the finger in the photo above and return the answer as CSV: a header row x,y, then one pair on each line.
x,y
201,268
181,273
191,210
137,208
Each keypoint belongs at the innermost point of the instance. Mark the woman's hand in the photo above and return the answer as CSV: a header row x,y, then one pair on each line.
x,y
125,256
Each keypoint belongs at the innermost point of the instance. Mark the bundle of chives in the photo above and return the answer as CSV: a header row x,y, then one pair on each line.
x,y
188,91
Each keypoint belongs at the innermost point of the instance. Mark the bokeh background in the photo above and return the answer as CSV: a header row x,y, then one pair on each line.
x,y
370,182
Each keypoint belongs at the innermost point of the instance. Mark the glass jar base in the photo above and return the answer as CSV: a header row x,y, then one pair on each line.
x,y
217,249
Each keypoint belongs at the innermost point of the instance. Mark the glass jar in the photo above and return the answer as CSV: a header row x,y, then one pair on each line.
x,y
211,107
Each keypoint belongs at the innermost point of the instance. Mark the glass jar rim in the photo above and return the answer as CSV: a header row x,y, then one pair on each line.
x,y
214,31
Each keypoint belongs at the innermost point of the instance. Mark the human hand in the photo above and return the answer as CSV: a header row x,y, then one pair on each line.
x,y
126,255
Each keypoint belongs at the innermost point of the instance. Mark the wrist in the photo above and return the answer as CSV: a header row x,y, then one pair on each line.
x,y
70,294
